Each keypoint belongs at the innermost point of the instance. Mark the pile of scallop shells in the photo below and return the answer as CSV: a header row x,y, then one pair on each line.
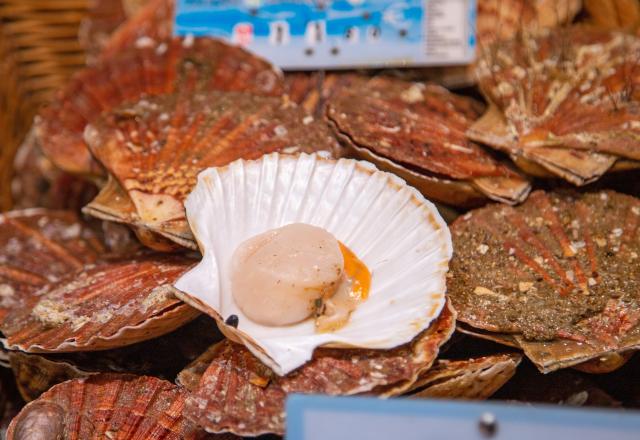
x,y
521,281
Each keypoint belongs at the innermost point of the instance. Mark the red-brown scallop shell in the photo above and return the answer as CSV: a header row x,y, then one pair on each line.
x,y
38,247
312,90
112,303
107,406
418,131
62,291
564,281
148,68
500,20
154,149
575,166
153,21
34,374
563,99
36,182
101,19
476,378
232,391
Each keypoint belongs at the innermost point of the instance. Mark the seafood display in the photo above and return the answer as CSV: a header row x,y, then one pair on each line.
x,y
198,235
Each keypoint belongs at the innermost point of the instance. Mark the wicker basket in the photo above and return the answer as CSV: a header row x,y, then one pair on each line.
x,y
12,120
39,50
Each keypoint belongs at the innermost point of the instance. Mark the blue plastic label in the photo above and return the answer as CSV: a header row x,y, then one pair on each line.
x,y
338,34
348,418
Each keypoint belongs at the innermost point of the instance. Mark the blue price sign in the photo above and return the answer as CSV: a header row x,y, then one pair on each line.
x,y
338,34
348,418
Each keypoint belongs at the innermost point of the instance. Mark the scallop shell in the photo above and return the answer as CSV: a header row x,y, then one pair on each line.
x,y
232,391
312,90
418,132
145,69
583,99
61,290
499,20
505,19
475,378
396,232
101,19
112,406
603,364
39,246
162,357
567,288
155,148
109,304
35,374
151,23
112,204
575,166
614,14
36,182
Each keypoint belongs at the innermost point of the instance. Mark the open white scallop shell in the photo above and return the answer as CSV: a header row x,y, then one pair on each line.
x,y
389,225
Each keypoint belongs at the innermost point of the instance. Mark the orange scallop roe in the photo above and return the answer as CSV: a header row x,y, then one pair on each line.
x,y
357,271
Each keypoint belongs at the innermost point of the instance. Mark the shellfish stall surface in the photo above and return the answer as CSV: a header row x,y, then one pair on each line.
x,y
196,234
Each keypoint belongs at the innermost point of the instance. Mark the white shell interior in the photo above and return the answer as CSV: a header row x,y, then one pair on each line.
x,y
389,225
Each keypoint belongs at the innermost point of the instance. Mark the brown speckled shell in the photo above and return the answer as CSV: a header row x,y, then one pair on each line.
x,y
564,284
109,406
233,391
39,246
580,94
418,131
148,67
475,378
155,148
